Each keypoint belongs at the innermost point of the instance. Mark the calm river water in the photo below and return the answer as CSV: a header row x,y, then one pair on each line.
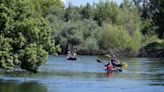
x,y
87,75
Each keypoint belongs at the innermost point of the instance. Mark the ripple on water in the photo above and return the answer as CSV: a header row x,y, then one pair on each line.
x,y
87,75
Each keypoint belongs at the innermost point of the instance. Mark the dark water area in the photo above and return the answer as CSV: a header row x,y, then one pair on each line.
x,y
87,75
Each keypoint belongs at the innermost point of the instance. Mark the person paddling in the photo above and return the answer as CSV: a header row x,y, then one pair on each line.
x,y
109,66
69,54
113,64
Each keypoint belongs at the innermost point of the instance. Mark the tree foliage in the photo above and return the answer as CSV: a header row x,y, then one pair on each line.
x,y
153,10
95,27
25,34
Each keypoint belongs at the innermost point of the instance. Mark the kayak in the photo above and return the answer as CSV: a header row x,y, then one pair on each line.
x,y
113,70
71,58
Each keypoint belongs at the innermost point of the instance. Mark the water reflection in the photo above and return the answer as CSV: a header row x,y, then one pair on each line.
x,y
15,86
155,70
109,74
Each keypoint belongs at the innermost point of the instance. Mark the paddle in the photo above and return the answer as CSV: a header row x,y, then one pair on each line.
x,y
124,65
101,62
107,64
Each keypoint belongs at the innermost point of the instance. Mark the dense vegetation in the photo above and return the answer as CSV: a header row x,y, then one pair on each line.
x,y
30,30
25,35
94,29
152,17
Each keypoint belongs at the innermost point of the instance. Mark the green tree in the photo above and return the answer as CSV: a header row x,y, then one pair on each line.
x,y
123,31
153,9
117,38
94,27
87,11
72,13
25,34
158,17
70,36
106,12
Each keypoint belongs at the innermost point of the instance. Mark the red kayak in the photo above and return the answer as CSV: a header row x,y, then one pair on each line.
x,y
113,70
110,68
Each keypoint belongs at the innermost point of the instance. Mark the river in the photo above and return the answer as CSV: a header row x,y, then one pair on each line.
x,y
87,75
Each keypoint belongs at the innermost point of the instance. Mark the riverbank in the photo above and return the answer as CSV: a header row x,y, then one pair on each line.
x,y
154,49
153,53
149,52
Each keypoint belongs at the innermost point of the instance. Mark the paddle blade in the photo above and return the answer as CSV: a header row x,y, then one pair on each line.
x,y
124,65
99,61
120,70
107,56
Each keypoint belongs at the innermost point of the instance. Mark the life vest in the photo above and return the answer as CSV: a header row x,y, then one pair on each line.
x,y
109,67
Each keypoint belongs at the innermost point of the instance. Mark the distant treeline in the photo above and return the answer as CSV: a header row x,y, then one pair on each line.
x,y
94,29
97,28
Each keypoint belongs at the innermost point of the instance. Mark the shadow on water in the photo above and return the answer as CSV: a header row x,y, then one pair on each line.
x,y
15,86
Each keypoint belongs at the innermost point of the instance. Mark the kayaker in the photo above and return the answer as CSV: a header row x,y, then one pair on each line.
x,y
69,54
109,66
115,62
74,55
